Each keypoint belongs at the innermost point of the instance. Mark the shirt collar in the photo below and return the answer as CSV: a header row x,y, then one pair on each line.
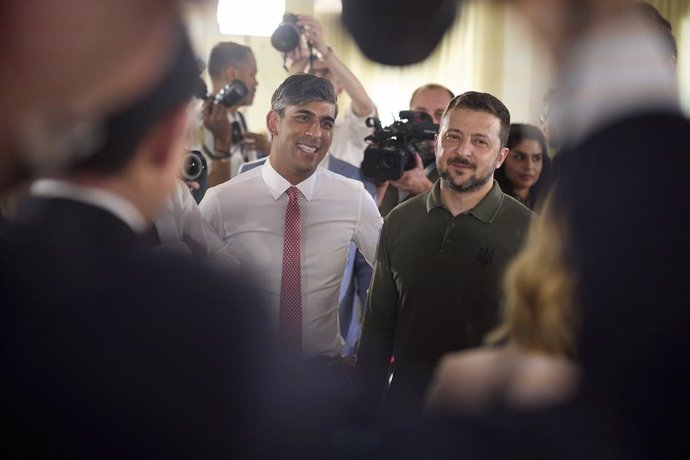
x,y
277,184
98,197
486,210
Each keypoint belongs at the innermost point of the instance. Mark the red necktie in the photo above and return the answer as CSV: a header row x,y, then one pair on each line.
x,y
291,281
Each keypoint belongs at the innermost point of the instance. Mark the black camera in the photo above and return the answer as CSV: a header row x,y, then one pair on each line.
x,y
194,169
392,149
286,37
230,95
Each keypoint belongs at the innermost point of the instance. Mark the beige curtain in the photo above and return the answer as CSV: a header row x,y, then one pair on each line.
x,y
489,48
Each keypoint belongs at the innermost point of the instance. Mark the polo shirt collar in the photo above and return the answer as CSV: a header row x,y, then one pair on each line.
x,y
278,185
486,210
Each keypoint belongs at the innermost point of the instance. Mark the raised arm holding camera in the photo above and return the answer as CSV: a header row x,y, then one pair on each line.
x,y
350,131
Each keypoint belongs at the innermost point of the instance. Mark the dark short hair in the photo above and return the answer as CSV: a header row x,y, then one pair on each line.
x,y
483,102
660,23
520,132
124,130
430,86
300,89
224,55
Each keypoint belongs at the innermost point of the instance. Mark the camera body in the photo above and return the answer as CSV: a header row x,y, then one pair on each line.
x,y
230,95
287,36
392,149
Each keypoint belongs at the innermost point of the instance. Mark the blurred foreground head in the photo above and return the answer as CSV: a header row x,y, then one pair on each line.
x,y
65,65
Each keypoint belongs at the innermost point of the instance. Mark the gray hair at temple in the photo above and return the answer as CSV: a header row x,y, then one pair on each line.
x,y
300,89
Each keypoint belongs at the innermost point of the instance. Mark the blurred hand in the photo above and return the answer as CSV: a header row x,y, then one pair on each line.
x,y
414,181
298,59
192,185
256,141
312,30
215,118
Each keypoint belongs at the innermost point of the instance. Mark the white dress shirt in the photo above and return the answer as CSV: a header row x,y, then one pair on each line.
x,y
248,212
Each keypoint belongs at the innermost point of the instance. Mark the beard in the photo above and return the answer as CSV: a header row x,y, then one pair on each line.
x,y
469,185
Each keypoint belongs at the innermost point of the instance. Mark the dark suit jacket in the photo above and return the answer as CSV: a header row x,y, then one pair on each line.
x,y
625,192
108,350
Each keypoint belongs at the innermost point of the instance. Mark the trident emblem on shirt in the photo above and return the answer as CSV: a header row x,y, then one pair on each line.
x,y
485,256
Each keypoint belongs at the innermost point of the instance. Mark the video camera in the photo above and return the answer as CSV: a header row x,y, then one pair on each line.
x,y
392,149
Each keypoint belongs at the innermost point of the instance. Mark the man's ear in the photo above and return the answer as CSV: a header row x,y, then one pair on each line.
x,y
230,73
164,138
272,121
501,157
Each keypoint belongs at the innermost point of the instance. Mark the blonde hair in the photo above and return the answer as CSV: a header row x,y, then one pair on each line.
x,y
539,313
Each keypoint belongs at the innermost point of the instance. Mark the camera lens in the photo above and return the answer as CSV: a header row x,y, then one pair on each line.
x,y
193,166
285,38
387,162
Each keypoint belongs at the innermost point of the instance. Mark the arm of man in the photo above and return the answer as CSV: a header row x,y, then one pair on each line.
x,y
378,332
369,224
195,228
215,118
362,105
210,211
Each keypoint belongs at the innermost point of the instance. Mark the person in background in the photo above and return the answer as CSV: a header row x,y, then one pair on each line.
x,y
431,99
525,173
224,136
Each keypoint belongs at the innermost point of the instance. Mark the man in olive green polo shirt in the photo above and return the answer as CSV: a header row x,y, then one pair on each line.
x,y
441,258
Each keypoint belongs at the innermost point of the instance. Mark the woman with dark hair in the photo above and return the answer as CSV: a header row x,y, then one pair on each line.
x,y
525,172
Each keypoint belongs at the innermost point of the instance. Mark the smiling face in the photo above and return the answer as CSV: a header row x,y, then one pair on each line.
x,y
301,138
468,149
524,163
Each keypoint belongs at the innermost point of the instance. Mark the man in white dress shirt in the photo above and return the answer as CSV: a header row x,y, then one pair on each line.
x,y
249,212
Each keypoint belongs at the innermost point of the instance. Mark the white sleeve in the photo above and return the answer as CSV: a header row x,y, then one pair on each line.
x,y
368,227
210,212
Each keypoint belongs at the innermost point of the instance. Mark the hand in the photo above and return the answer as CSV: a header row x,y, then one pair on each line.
x,y
215,118
298,59
312,30
414,181
256,141
192,185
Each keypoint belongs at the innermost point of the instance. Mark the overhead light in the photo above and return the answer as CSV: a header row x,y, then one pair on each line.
x,y
253,17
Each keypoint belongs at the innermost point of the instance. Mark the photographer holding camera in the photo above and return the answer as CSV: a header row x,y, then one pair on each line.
x,y
224,137
431,99
351,129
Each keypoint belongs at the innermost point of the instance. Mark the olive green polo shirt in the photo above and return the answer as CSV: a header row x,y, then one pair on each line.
x,y
436,288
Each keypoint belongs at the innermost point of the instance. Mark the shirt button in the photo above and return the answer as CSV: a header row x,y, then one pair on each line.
x,y
452,225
